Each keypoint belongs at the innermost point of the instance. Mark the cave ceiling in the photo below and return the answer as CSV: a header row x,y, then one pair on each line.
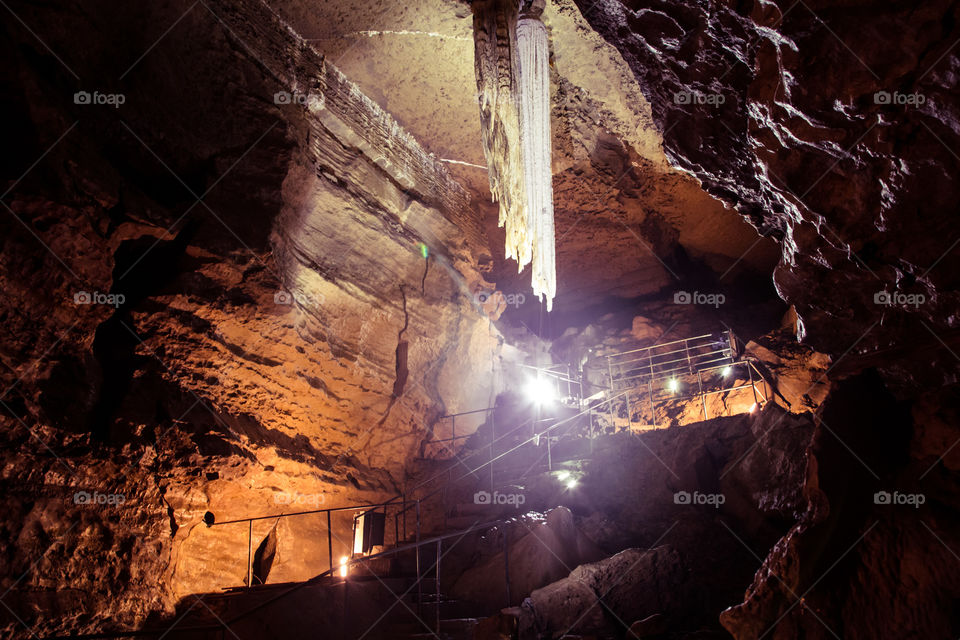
x,y
627,223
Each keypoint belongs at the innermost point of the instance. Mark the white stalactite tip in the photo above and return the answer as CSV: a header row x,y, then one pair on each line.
x,y
535,240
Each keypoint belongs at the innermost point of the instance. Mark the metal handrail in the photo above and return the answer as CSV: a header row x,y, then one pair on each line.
x,y
688,360
701,354
328,511
661,355
661,344
355,507
314,580
663,373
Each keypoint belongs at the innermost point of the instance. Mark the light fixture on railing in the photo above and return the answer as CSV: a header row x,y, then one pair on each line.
x,y
672,385
343,566
725,372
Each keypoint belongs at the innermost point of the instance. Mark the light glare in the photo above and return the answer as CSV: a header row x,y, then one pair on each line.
x,y
540,391
343,566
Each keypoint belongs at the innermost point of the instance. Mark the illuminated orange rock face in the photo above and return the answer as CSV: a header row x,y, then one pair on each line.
x,y
284,350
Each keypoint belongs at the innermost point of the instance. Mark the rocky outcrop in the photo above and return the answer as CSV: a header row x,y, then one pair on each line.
x,y
823,137
596,598
874,547
683,516
541,550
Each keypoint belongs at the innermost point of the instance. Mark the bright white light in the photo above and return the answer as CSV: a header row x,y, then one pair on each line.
x,y
343,566
673,385
571,483
725,372
540,391
563,475
753,409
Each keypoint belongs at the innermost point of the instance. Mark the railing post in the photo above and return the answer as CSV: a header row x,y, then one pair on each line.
x,y
453,430
249,553
330,542
703,398
752,383
493,436
346,606
590,434
549,455
436,579
449,479
653,408
506,563
416,551
612,389
626,398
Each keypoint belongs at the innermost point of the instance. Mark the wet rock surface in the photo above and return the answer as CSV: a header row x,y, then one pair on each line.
x,y
823,136
872,551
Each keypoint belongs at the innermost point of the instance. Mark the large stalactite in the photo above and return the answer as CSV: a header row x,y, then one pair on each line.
x,y
513,88
534,103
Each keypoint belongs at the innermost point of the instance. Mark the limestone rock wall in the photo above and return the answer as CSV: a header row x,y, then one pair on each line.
x,y
290,281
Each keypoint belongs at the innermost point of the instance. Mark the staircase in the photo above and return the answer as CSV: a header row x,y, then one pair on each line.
x,y
369,605
393,594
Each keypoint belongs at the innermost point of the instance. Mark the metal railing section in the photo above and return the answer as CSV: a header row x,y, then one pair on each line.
x,y
684,369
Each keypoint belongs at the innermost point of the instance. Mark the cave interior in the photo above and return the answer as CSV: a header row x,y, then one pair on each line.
x,y
480,319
